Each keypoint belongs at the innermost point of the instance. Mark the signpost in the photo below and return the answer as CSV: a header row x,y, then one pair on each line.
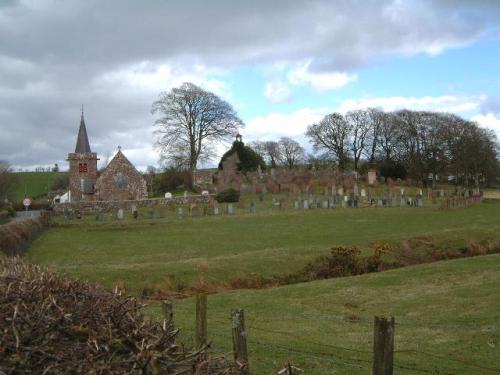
x,y
26,204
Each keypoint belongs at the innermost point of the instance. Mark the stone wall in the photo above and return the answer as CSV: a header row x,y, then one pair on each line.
x,y
111,206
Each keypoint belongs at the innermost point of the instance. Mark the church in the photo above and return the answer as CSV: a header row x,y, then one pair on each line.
x,y
118,182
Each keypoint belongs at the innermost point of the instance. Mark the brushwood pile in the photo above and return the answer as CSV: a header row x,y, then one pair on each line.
x,y
51,325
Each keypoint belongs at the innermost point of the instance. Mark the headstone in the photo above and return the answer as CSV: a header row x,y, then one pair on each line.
x,y
78,214
180,213
380,203
306,204
230,209
356,190
420,202
340,191
372,177
168,195
253,208
402,202
325,204
402,190
216,210
363,193
394,201
151,212
296,205
119,214
135,213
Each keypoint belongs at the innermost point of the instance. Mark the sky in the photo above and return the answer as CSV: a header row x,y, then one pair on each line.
x,y
282,64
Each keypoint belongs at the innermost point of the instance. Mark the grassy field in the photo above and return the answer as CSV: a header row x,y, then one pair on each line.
x,y
447,320
34,184
447,313
168,253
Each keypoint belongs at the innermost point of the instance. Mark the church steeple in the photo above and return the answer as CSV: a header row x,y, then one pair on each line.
x,y
82,142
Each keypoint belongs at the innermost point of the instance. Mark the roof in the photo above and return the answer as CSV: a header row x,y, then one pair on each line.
x,y
82,142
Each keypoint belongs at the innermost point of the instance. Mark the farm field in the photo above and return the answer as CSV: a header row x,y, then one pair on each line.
x,y
35,184
168,253
447,320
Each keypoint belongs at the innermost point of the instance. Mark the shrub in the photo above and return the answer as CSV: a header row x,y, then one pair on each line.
x,y
61,182
172,179
228,196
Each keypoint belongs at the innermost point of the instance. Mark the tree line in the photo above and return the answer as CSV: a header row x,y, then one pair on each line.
x,y
419,144
405,143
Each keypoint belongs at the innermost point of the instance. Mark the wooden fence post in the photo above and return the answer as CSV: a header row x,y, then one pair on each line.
x,y
239,340
383,346
201,320
168,310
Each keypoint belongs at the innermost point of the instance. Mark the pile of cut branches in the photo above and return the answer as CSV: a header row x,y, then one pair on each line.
x,y
51,324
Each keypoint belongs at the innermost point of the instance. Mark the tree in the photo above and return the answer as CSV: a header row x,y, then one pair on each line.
x,y
290,152
192,121
360,124
268,150
331,135
8,182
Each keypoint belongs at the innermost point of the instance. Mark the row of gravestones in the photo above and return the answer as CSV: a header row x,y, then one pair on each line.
x,y
230,209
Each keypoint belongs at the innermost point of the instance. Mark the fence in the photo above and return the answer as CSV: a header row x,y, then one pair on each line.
x,y
378,361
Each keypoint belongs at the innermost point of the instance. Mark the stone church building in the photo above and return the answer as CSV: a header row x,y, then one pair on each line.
x,y
119,181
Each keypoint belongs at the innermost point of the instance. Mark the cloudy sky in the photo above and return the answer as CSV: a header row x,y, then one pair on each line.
x,y
282,64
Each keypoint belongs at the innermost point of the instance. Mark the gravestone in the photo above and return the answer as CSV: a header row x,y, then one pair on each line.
x,y
380,203
420,202
306,204
363,193
253,208
78,214
168,195
394,201
296,205
216,210
151,212
325,204
230,209
402,202
135,213
180,213
99,216
119,214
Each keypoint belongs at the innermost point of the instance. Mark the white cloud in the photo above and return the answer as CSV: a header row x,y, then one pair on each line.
x,y
277,92
276,125
302,76
446,103
150,77
489,120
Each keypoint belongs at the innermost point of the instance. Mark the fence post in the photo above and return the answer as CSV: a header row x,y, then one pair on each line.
x,y
383,346
201,320
168,309
239,340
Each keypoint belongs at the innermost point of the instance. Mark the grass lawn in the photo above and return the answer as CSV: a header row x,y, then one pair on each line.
x,y
34,184
168,253
447,320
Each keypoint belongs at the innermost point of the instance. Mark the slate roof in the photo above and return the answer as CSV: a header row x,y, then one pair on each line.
x,y
82,142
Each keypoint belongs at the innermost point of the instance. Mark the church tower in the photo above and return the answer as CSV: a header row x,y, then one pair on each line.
x,y
82,168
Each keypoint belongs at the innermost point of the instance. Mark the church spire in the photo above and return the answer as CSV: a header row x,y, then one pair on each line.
x,y
82,142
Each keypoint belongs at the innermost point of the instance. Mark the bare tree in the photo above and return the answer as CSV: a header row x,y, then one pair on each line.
x,y
268,150
192,121
290,152
360,124
331,135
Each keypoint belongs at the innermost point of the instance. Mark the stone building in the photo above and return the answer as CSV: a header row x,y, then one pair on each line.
x,y
119,181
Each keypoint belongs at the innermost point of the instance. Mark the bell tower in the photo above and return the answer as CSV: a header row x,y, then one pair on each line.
x,y
82,167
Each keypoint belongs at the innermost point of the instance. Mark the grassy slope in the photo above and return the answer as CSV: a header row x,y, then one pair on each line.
x,y
448,309
34,183
148,253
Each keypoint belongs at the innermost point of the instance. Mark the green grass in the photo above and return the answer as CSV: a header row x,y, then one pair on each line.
x,y
162,252
447,320
34,184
